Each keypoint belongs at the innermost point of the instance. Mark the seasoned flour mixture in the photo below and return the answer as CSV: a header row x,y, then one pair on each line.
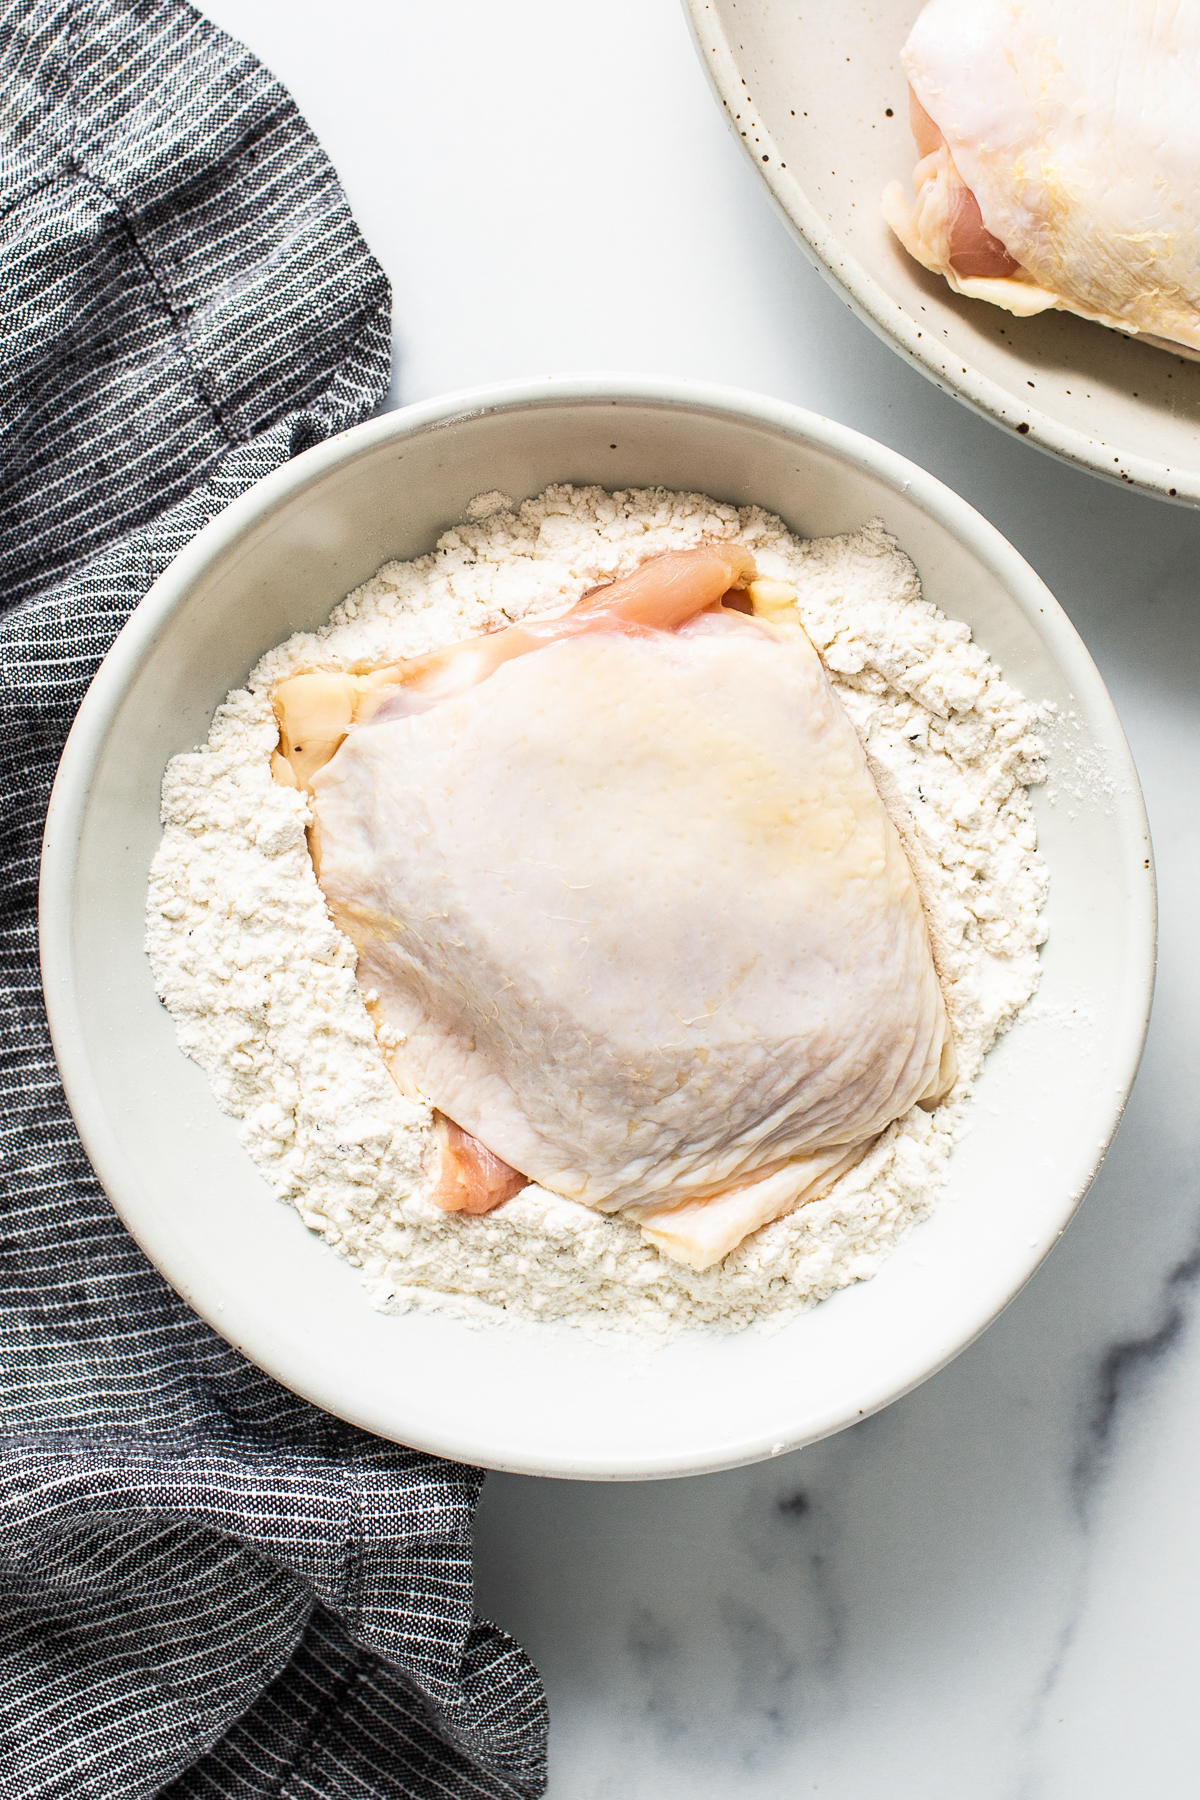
x,y
261,983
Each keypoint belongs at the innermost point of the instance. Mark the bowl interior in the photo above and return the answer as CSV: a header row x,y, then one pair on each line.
x,y
809,90
546,1399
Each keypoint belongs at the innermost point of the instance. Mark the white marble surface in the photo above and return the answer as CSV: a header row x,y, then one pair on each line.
x,y
991,1590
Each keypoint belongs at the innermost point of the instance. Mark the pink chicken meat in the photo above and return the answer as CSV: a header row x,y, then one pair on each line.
x,y
1059,147
630,903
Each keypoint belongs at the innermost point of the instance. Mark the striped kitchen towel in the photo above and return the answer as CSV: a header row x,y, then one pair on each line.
x,y
207,1588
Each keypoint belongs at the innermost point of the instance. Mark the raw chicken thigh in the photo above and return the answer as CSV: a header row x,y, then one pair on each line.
x,y
631,905
1060,158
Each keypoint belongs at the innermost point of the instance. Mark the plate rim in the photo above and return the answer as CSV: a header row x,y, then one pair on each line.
x,y
873,305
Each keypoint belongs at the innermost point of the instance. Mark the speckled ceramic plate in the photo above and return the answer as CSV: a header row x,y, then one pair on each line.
x,y
545,1399
818,99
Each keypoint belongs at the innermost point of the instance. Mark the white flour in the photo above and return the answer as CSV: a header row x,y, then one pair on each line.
x,y
261,984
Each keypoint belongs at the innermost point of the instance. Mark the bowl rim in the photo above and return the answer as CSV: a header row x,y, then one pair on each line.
x,y
71,796
872,303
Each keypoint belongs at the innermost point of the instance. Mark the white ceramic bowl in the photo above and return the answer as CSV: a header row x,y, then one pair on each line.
x,y
807,90
546,1400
